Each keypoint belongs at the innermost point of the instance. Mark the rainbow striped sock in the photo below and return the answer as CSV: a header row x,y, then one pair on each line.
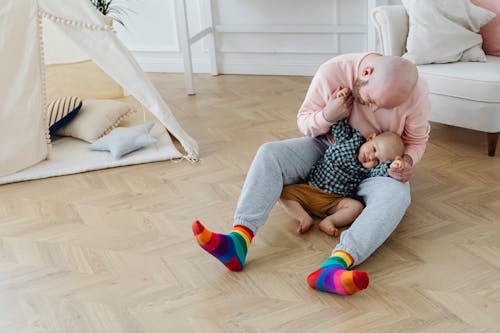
x,y
230,249
333,276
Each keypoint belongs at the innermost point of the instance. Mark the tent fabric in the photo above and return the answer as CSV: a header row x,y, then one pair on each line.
x,y
24,139
22,90
83,79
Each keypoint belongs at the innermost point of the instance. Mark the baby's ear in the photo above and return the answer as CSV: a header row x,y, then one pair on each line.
x,y
371,136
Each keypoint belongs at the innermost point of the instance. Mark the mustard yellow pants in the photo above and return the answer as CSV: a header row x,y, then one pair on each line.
x,y
314,200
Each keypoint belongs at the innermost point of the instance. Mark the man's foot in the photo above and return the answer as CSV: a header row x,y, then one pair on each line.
x,y
326,225
333,276
305,225
230,249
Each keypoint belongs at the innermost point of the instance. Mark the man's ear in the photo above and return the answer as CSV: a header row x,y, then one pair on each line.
x,y
367,71
371,136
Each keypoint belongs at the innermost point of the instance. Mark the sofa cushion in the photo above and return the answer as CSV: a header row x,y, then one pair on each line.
x,y
468,80
442,31
491,31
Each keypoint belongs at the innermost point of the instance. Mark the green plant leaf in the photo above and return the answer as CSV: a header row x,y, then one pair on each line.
x,y
113,11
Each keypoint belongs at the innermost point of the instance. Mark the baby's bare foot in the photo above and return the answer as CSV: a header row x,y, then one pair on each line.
x,y
305,225
329,228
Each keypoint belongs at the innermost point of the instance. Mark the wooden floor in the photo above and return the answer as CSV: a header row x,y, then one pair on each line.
x,y
112,250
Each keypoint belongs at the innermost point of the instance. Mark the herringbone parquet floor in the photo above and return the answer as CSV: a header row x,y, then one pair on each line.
x,y
112,251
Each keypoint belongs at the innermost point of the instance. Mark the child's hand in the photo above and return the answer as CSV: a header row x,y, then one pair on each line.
x,y
400,169
344,92
339,105
397,164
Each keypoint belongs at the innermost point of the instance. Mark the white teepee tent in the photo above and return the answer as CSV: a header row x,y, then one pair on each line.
x,y
23,128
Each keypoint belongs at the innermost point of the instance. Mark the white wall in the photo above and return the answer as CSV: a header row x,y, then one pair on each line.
x,y
289,37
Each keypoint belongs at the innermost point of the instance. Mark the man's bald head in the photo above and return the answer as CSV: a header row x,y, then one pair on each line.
x,y
387,80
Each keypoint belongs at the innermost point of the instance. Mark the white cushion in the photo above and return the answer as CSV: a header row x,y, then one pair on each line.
x,y
442,31
466,80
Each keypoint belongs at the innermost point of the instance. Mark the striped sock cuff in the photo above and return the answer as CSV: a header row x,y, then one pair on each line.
x,y
346,257
244,232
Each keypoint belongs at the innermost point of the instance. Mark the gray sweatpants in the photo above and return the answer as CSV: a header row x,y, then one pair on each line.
x,y
288,162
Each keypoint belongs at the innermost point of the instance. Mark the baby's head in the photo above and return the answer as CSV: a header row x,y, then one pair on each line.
x,y
379,149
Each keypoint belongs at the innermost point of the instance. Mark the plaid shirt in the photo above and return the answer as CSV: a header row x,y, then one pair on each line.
x,y
339,171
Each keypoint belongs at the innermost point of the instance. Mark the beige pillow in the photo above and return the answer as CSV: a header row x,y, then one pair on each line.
x,y
95,119
443,31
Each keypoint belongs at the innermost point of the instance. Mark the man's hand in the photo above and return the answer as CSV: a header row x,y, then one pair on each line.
x,y
401,168
339,106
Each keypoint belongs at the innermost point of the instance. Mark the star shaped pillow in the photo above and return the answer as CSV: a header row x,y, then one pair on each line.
x,y
123,140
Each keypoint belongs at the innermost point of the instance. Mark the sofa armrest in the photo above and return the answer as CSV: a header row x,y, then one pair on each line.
x,y
391,24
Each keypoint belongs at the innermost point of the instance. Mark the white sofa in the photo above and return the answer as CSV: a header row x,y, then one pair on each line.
x,y
463,94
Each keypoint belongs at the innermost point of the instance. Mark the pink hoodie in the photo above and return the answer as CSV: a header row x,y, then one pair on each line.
x,y
409,120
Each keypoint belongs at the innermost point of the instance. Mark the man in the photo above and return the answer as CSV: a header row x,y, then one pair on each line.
x,y
387,95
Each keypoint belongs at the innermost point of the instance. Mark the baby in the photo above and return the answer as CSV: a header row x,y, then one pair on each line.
x,y
332,182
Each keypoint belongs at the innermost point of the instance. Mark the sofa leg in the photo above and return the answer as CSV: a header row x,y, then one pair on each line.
x,y
492,143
